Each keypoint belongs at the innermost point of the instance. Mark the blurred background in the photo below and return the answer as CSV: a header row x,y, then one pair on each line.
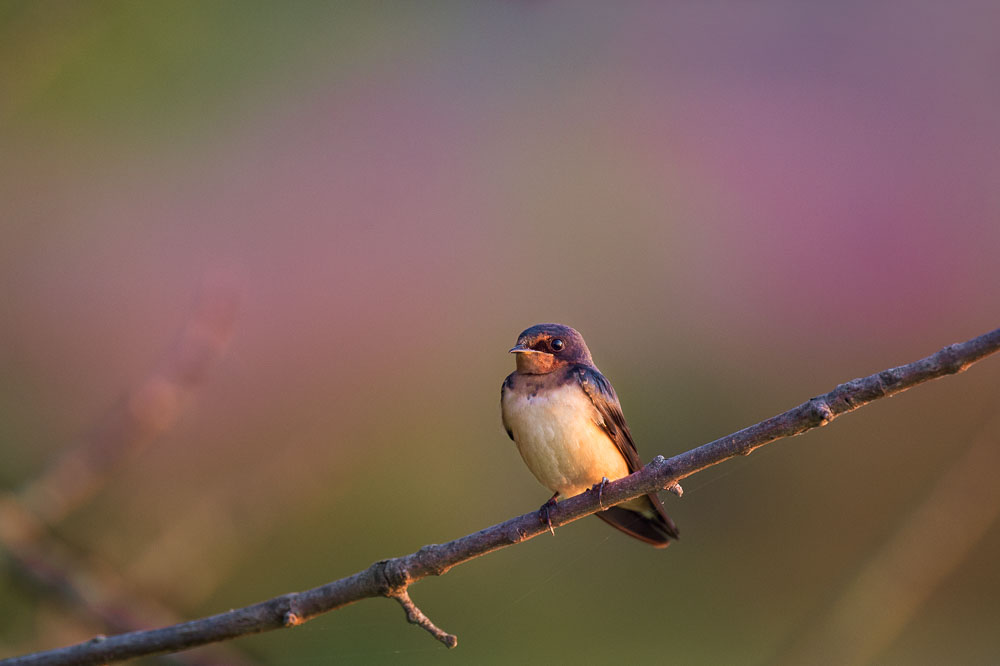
x,y
353,209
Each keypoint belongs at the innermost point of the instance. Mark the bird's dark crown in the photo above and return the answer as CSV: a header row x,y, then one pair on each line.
x,y
546,338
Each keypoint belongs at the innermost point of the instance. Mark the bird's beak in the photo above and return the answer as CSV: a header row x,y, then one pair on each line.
x,y
521,349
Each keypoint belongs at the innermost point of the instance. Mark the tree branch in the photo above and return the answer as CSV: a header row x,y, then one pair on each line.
x,y
391,578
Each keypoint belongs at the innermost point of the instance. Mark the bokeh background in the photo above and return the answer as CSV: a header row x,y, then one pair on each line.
x,y
740,205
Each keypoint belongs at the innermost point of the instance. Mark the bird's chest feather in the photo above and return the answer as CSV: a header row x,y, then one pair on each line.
x,y
558,433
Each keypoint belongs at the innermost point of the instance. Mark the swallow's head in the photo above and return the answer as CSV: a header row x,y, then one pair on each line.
x,y
544,348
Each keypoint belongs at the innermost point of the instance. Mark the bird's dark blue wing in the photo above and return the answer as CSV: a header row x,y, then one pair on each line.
x,y
602,394
651,524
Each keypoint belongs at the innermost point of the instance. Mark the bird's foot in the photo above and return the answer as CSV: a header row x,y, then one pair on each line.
x,y
599,488
543,513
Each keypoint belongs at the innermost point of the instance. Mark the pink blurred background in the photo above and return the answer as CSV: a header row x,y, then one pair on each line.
x,y
739,206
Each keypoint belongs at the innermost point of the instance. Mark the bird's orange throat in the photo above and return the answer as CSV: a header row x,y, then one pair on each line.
x,y
535,363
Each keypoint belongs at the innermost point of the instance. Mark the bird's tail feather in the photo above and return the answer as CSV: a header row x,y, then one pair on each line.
x,y
655,529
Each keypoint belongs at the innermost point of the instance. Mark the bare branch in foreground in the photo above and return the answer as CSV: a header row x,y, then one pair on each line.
x,y
391,578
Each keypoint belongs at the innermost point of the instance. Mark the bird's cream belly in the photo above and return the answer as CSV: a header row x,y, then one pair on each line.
x,y
560,440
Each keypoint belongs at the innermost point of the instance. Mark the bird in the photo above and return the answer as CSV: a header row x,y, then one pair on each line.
x,y
567,423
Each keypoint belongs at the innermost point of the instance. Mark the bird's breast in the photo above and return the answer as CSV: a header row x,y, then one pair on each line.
x,y
559,435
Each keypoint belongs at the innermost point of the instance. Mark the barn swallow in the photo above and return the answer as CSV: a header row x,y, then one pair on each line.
x,y
567,423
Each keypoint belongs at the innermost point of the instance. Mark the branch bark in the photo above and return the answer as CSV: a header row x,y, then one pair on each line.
x,y
392,578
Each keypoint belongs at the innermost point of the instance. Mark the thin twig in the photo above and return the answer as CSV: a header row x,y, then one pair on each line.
x,y
416,616
389,578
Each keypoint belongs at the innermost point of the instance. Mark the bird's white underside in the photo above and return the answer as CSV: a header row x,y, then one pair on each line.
x,y
559,436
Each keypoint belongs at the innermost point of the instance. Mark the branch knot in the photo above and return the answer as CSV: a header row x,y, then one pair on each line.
x,y
820,411
392,577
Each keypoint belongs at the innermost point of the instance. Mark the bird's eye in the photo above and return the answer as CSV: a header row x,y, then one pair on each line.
x,y
557,345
